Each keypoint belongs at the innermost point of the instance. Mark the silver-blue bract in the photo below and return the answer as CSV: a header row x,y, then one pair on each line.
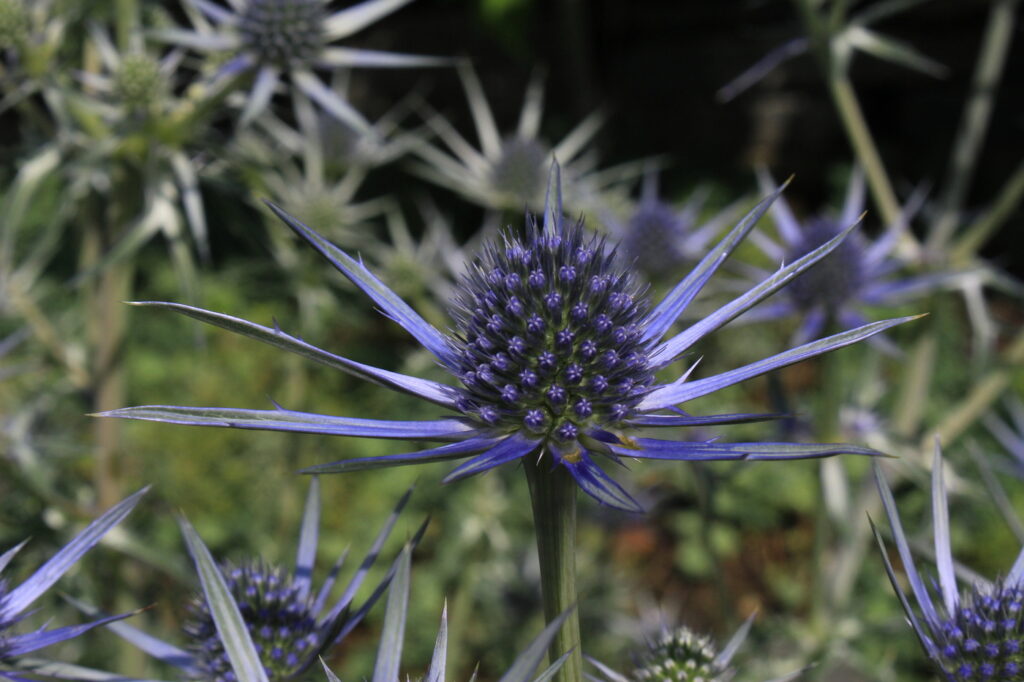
x,y
389,652
978,635
557,351
14,602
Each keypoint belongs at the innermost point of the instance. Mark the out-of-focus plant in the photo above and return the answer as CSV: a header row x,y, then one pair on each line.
x,y
268,41
661,238
508,171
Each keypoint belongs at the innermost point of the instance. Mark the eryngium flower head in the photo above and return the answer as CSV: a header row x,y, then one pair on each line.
x,y
507,169
971,637
855,277
271,38
139,82
280,32
278,613
549,339
659,237
14,602
681,655
556,348
289,622
14,23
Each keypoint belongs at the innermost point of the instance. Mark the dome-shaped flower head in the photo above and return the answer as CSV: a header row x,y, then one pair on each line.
x,y
389,653
555,349
288,623
857,275
681,655
271,39
660,237
508,171
970,636
14,601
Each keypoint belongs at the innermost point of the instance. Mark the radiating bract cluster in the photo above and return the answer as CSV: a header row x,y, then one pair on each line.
x,y
972,637
271,38
855,277
556,356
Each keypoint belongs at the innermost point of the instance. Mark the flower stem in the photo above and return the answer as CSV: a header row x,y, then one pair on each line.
x,y
553,493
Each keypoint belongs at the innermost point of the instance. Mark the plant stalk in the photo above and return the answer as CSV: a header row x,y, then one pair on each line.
x,y
553,493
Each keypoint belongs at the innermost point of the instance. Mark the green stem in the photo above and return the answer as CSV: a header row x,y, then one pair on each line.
x,y
553,493
977,111
864,147
851,115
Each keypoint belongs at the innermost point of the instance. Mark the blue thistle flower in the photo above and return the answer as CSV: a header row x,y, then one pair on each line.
x,y
289,624
556,348
660,237
274,38
509,168
972,636
14,602
858,274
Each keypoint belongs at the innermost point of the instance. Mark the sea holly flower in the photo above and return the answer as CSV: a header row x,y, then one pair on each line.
x,y
556,348
271,39
508,171
15,601
681,655
858,275
288,623
389,652
660,237
970,636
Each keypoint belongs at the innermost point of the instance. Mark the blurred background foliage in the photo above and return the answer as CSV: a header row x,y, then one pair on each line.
x,y
720,541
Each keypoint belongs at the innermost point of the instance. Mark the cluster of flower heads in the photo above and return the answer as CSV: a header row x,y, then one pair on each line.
x,y
14,602
977,636
557,351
